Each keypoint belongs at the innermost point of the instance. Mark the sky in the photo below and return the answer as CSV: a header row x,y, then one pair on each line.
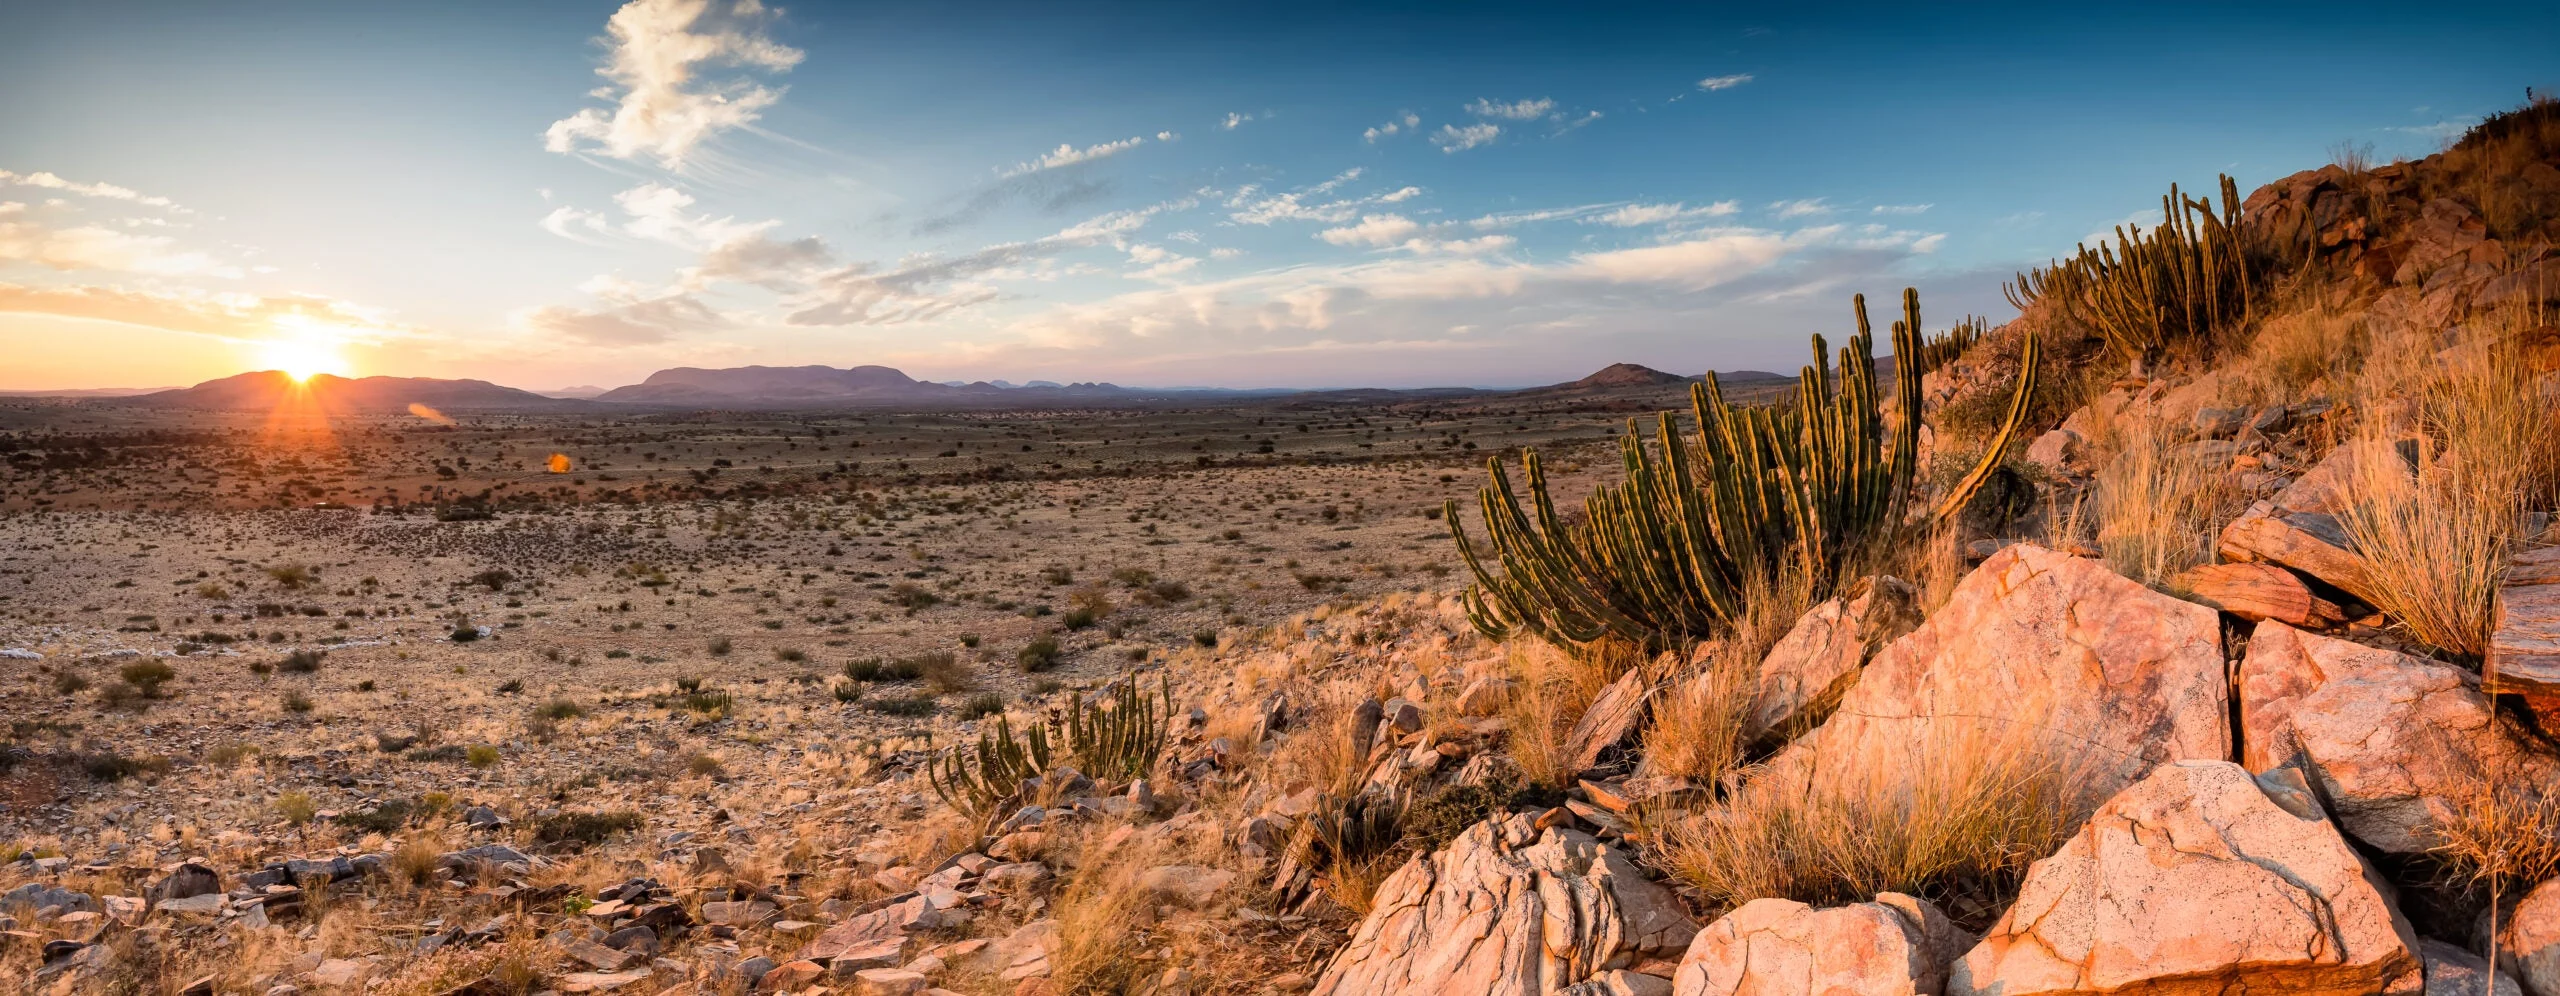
x,y
1179,194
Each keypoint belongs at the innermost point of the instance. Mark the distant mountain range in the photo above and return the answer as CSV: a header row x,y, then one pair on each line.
x,y
786,387
267,389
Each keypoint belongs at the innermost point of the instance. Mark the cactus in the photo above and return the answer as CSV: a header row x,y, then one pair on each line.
x,y
1667,556
1122,741
974,781
2148,292
1942,350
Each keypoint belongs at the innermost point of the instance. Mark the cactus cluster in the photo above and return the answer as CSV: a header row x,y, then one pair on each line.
x,y
1120,741
1943,348
2150,291
1668,556
1124,740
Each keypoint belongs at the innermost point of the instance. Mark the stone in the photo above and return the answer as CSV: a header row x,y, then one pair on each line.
x,y
1613,716
739,914
483,818
1807,671
2060,452
601,982
2529,942
1507,909
188,881
1188,885
2391,742
1897,945
1619,982
2258,592
2214,423
2452,971
2524,649
203,905
2134,676
888,982
2298,528
2193,881
1020,845
605,958
1022,954
872,940
1015,877
35,896
791,976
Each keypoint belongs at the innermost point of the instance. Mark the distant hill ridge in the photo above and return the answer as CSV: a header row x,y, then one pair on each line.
x,y
329,392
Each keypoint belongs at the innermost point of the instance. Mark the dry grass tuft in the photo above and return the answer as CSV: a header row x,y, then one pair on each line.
x,y
2501,838
1697,726
2158,505
2436,541
1555,687
1958,824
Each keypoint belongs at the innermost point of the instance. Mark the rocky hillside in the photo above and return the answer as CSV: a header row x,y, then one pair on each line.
x,y
2234,668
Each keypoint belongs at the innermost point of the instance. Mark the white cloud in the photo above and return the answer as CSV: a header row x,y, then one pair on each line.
x,y
1712,83
1373,230
1225,252
1168,136
1253,206
629,322
1518,110
1399,195
1586,118
576,224
658,213
1404,121
1459,247
663,107
49,181
1069,155
1234,121
1800,208
94,247
1900,208
1451,138
1636,215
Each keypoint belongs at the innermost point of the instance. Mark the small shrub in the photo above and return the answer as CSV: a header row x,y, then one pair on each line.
x,y
561,708
301,662
719,646
291,575
113,767
295,702
365,685
389,818
511,686
911,596
229,752
577,830
689,684
789,655
969,640
296,807
1078,618
465,634
946,673
848,691
913,705
68,683
147,675
703,766
481,756
981,705
1041,654
493,579
443,754
1205,638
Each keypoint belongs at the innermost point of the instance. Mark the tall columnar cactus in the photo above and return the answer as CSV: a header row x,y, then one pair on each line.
x,y
1124,740
1669,555
2148,292
974,781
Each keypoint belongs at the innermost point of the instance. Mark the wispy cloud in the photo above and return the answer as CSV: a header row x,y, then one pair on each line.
x,y
1713,83
1900,208
1404,121
1252,205
1637,215
1373,230
664,105
1453,138
1806,207
1518,110
228,316
1069,155
1235,120
49,181
26,238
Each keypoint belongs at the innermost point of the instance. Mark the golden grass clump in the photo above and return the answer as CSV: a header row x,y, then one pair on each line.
x,y
2501,836
2158,505
2435,538
1554,688
1957,822
1697,726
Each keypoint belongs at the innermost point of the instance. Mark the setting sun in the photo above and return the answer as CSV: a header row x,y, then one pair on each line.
x,y
302,357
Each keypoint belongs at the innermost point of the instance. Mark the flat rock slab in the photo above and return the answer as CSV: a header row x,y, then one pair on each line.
x,y
2298,528
2192,880
1897,945
2524,651
2391,741
2259,592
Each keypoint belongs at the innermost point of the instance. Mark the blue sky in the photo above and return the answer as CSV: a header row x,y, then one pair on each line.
x,y
1309,195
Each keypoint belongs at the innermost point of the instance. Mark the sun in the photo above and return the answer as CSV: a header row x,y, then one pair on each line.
x,y
302,357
